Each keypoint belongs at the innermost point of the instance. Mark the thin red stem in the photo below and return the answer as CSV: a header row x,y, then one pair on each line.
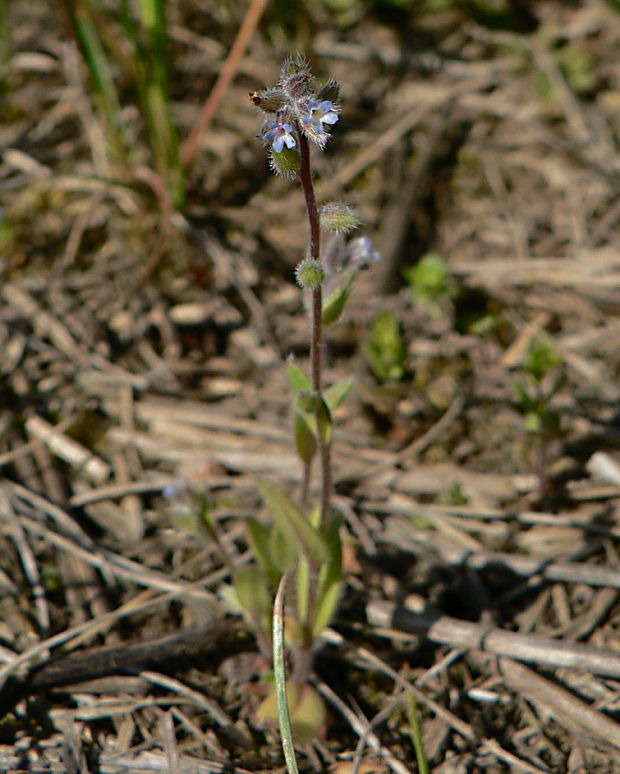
x,y
316,325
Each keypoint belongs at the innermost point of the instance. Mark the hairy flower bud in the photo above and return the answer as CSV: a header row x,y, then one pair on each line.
x,y
339,217
295,78
269,100
286,163
309,273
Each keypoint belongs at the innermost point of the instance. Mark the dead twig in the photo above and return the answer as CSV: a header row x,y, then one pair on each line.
x,y
445,630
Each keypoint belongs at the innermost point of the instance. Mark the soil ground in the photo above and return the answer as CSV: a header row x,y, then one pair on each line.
x,y
142,344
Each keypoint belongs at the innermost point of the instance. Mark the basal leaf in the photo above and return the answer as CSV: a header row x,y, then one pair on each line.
x,y
293,523
259,536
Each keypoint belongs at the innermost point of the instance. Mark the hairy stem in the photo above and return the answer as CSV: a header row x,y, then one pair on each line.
x,y
316,325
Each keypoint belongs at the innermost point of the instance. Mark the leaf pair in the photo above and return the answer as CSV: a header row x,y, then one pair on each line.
x,y
294,542
313,413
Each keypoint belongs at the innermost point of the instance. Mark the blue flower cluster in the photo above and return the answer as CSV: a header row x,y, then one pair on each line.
x,y
296,107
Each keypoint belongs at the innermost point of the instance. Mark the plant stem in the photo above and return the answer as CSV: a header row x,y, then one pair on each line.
x,y
305,175
316,326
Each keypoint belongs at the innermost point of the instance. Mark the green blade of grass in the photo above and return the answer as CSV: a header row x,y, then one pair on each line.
x,y
154,96
280,679
415,730
90,43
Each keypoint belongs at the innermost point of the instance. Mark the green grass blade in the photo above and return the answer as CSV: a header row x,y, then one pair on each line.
x,y
280,679
415,730
154,94
98,67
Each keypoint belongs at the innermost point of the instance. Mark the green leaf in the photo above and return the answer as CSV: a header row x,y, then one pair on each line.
x,y
315,412
254,595
297,379
333,305
337,393
303,590
305,439
330,578
284,548
415,729
324,420
259,536
306,708
528,403
307,402
293,523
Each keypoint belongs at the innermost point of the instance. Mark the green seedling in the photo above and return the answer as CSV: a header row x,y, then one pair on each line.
x,y
541,378
385,348
430,282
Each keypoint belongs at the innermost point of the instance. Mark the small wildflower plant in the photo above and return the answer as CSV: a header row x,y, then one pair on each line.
x,y
303,542
542,376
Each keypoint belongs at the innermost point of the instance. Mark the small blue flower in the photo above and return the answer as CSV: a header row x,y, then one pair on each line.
x,y
279,135
174,490
359,253
320,113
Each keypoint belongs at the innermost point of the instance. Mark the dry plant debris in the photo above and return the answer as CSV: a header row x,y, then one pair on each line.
x,y
139,344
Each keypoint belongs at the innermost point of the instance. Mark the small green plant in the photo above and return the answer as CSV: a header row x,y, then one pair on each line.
x,y
385,348
430,281
542,376
302,539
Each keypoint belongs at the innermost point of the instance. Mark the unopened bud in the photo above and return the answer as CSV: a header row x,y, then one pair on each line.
x,y
309,273
339,217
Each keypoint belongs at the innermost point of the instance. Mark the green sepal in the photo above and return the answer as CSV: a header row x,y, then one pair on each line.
x,y
330,91
286,163
269,100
